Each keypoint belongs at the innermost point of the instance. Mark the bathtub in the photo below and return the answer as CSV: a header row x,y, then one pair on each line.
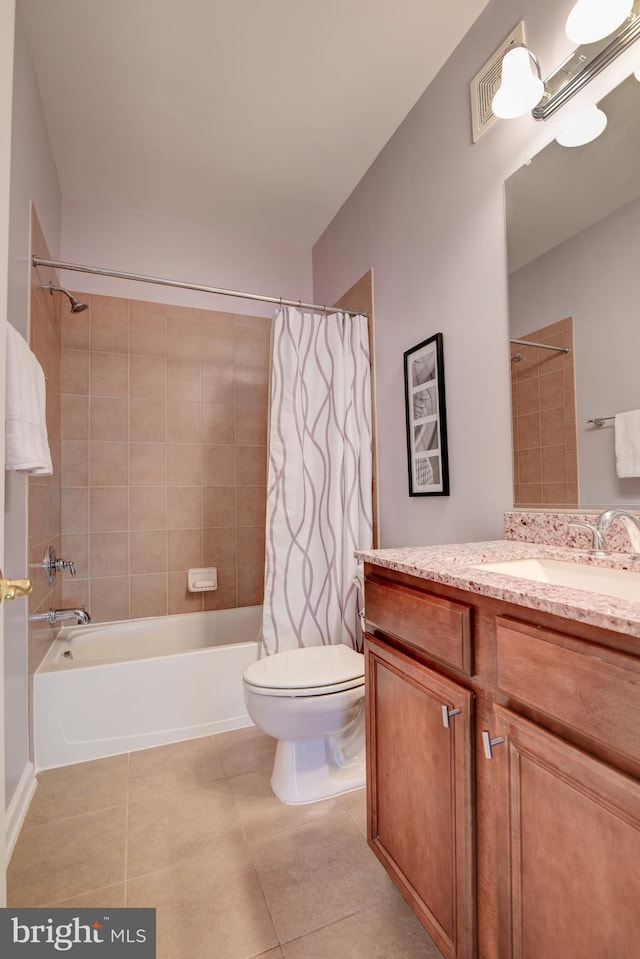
x,y
117,687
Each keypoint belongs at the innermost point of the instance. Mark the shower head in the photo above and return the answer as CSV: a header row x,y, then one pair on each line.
x,y
76,305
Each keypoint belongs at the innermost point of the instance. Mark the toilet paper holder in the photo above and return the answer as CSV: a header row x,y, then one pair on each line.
x,y
202,580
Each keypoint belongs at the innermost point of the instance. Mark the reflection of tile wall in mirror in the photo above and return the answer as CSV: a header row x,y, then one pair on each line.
x,y
544,421
573,217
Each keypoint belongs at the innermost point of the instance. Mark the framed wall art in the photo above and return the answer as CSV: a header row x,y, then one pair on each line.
x,y
426,418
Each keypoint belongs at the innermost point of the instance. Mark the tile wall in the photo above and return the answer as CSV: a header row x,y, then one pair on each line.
x,y
163,456
44,519
544,419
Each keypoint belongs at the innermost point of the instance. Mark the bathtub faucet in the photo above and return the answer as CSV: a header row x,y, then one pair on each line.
x,y
60,615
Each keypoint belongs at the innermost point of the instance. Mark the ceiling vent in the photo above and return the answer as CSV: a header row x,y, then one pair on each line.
x,y
486,82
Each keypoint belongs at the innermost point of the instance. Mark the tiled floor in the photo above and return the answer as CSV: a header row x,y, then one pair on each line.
x,y
194,830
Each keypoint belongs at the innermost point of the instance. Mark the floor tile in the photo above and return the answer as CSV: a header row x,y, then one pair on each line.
x,y
55,861
109,897
383,931
206,908
171,826
194,830
317,874
261,813
84,787
245,750
355,803
164,768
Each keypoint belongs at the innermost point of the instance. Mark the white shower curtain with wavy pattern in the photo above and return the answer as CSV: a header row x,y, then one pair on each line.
x,y
319,498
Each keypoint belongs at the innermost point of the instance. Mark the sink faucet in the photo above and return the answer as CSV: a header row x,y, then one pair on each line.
x,y
60,615
597,542
630,522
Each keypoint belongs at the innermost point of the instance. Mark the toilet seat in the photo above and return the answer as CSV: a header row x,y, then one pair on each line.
x,y
309,671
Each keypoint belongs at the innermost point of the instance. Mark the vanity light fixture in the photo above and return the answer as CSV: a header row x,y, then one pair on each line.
x,y
585,127
520,88
591,20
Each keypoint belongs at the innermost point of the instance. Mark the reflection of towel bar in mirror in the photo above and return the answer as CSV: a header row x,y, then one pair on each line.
x,y
599,420
541,346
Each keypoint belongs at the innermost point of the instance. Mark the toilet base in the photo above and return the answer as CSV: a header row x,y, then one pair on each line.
x,y
309,770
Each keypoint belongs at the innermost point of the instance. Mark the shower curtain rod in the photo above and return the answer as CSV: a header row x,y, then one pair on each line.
x,y
542,346
280,301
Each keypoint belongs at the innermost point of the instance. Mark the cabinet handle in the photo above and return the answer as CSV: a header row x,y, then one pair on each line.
x,y
488,743
447,713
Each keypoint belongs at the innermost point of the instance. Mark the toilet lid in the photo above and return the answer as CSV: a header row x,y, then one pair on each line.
x,y
311,668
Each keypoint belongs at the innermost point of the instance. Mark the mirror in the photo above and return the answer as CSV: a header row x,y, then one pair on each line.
x,y
573,235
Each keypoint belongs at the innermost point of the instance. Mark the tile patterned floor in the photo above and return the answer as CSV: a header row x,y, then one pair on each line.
x,y
194,830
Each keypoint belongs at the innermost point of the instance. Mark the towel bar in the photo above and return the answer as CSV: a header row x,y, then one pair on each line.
x,y
599,420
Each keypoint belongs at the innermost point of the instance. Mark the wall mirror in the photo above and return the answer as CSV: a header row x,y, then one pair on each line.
x,y
573,248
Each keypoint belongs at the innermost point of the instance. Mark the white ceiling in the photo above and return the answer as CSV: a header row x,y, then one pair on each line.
x,y
253,116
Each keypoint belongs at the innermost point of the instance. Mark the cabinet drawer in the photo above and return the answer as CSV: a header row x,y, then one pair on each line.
x,y
587,688
439,627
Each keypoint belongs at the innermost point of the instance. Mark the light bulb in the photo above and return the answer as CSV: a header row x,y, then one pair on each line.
x,y
584,128
520,90
591,20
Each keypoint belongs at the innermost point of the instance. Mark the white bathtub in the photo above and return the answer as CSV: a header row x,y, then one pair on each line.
x,y
114,688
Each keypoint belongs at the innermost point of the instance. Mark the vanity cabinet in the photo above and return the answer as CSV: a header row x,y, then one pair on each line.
x,y
420,757
420,813
569,849
568,806
527,848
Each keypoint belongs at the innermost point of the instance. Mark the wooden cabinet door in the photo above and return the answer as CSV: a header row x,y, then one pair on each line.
x,y
420,792
569,849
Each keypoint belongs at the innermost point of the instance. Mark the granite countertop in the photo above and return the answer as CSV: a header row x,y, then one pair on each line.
x,y
453,564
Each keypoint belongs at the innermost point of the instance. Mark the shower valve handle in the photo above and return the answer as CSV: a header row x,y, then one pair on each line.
x,y
66,564
52,564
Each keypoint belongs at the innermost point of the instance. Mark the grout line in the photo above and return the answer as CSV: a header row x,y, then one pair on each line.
x,y
47,823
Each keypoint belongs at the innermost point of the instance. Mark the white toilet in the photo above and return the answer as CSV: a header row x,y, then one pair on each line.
x,y
312,701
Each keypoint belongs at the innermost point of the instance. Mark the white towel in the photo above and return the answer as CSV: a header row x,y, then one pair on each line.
x,y
627,442
26,441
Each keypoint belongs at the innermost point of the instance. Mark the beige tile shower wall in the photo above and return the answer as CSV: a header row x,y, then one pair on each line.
x,y
544,419
44,522
164,431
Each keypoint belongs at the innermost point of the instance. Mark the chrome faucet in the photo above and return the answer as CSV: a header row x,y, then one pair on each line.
x,y
60,615
598,529
597,541
630,521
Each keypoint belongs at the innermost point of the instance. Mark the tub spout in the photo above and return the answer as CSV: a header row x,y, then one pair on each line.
x,y
60,615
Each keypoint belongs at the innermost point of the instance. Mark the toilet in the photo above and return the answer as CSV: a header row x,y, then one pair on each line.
x,y
312,701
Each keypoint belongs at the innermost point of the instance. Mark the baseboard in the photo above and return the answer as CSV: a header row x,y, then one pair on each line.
x,y
19,806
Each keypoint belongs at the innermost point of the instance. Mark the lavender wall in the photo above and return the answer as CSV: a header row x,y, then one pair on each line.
x,y
428,217
33,179
132,242
592,277
7,19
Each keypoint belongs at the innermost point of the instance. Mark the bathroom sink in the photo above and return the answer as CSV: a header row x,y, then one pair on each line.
x,y
596,579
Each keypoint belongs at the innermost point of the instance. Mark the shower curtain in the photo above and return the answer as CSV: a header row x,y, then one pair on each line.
x,y
319,498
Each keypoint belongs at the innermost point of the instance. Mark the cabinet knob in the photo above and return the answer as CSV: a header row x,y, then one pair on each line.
x,y
488,743
447,713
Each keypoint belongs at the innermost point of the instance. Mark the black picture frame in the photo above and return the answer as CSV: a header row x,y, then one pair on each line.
x,y
426,418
